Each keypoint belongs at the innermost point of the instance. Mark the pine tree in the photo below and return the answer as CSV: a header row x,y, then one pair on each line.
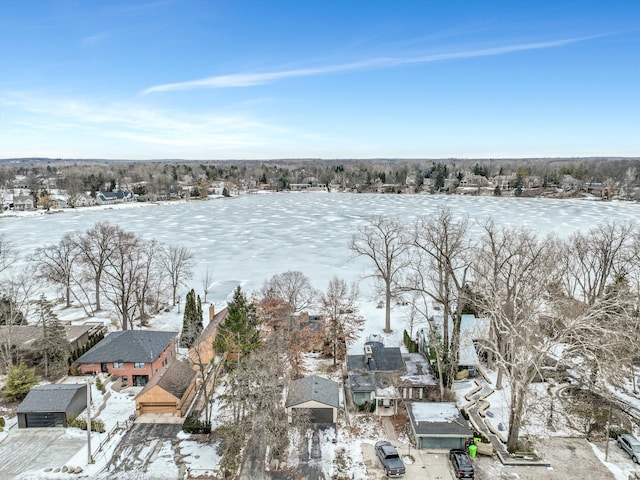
x,y
19,381
54,349
238,334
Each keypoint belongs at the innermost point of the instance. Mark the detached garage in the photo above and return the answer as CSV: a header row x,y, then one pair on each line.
x,y
438,425
51,405
316,396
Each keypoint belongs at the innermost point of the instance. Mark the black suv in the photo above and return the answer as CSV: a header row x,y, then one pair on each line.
x,y
461,463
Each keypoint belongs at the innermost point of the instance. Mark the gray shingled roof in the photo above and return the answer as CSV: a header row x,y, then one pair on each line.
x,y
175,378
129,346
50,398
315,388
383,359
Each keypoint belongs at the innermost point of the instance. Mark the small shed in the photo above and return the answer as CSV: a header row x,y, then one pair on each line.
x,y
52,405
169,391
438,425
317,396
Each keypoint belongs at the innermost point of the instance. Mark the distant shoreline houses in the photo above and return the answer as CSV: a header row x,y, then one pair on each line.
x,y
20,197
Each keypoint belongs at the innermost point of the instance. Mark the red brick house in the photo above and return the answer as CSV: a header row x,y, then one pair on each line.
x,y
133,355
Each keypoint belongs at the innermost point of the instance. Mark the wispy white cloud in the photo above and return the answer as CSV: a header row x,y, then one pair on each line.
x,y
93,39
139,124
252,79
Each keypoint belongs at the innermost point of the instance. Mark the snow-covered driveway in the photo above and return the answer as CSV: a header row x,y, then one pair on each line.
x,y
26,449
149,449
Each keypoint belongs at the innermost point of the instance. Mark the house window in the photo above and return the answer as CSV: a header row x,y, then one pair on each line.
x,y
118,364
138,365
125,379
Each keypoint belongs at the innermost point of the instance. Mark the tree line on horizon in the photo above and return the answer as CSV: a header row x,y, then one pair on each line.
x,y
157,178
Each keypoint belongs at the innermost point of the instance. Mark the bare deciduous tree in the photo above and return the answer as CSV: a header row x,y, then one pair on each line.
x,y
55,264
294,288
513,271
7,253
439,269
16,294
286,339
148,277
96,246
593,260
122,274
257,421
381,240
342,320
177,262
207,282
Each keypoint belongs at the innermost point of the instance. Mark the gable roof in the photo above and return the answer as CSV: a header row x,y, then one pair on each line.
x,y
175,379
129,346
26,335
383,359
50,398
211,327
314,388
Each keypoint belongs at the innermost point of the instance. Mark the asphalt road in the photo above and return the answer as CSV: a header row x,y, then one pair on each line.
x,y
427,465
140,445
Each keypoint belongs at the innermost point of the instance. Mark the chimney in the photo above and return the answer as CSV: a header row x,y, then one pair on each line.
x,y
212,312
368,355
368,352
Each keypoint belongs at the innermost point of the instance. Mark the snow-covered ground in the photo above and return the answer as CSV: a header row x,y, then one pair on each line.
x,y
248,239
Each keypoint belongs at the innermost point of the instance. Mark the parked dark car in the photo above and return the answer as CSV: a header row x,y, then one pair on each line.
x,y
391,461
631,445
461,463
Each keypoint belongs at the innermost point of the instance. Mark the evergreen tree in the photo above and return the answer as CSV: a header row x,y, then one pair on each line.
x,y
199,323
238,334
10,313
19,381
54,350
192,322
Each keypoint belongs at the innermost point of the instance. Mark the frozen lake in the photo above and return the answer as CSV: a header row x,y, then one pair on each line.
x,y
248,239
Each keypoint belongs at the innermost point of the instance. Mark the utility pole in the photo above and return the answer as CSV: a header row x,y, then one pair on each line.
x,y
89,457
606,452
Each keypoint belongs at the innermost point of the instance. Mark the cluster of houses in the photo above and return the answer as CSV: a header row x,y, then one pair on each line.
x,y
45,195
376,380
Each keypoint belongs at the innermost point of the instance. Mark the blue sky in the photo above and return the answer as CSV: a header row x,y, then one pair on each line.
x,y
330,79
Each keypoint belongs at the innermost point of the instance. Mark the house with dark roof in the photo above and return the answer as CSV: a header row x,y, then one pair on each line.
x,y
170,391
372,378
52,405
438,425
133,355
105,198
22,341
316,396
384,375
